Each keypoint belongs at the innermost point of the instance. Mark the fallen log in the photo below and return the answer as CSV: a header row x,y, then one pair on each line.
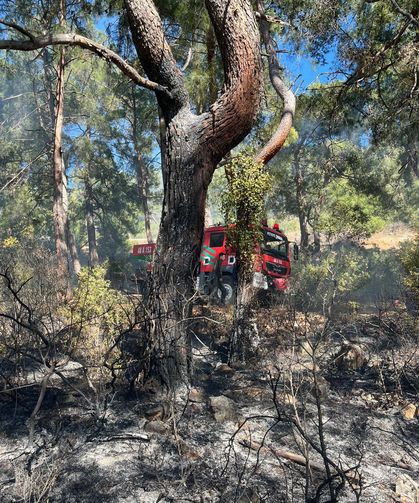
x,y
350,475
281,453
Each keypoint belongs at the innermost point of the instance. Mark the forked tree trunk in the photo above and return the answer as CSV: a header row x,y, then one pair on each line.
x,y
192,147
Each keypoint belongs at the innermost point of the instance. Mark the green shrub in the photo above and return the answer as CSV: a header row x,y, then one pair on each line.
x,y
409,257
99,314
350,214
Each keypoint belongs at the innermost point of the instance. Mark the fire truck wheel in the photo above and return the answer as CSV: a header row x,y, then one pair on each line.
x,y
230,286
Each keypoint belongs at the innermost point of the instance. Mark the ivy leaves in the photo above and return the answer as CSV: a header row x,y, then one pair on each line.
x,y
243,204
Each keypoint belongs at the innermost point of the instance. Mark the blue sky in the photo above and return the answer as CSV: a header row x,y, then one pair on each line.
x,y
300,69
303,72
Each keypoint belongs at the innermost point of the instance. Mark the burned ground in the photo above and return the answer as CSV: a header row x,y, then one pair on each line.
x,y
242,432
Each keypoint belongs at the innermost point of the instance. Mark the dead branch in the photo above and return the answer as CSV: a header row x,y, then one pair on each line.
x,y
281,453
140,437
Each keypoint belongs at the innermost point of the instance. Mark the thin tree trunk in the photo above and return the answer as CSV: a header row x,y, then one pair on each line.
x,y
245,336
277,140
304,234
301,203
60,202
90,225
316,242
143,192
73,250
143,184
316,217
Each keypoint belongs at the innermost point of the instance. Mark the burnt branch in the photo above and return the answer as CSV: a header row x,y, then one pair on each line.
x,y
29,325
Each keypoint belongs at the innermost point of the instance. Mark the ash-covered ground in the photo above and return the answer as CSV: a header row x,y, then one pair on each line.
x,y
323,409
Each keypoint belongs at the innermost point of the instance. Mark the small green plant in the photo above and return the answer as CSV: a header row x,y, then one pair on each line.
x,y
10,242
409,257
99,313
242,204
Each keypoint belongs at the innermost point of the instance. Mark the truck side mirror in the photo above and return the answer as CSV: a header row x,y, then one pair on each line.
x,y
296,251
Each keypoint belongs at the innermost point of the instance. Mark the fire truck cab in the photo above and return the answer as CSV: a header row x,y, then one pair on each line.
x,y
272,266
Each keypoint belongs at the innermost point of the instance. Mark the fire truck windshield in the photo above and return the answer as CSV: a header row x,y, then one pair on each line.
x,y
275,245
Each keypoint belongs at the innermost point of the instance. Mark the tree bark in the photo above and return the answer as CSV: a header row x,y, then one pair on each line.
x,y
60,202
212,69
284,92
244,340
73,250
316,241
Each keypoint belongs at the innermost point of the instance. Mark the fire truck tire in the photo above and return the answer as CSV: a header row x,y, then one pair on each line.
x,y
230,286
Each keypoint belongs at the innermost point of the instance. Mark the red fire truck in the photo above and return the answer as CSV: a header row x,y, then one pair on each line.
x,y
272,266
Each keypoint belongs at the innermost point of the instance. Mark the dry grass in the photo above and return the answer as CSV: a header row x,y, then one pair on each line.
x,y
390,237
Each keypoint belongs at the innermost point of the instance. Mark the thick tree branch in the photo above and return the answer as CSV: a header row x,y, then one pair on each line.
x,y
231,117
72,39
156,56
278,138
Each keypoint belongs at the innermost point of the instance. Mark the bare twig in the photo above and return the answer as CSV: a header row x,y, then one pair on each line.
x,y
404,13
